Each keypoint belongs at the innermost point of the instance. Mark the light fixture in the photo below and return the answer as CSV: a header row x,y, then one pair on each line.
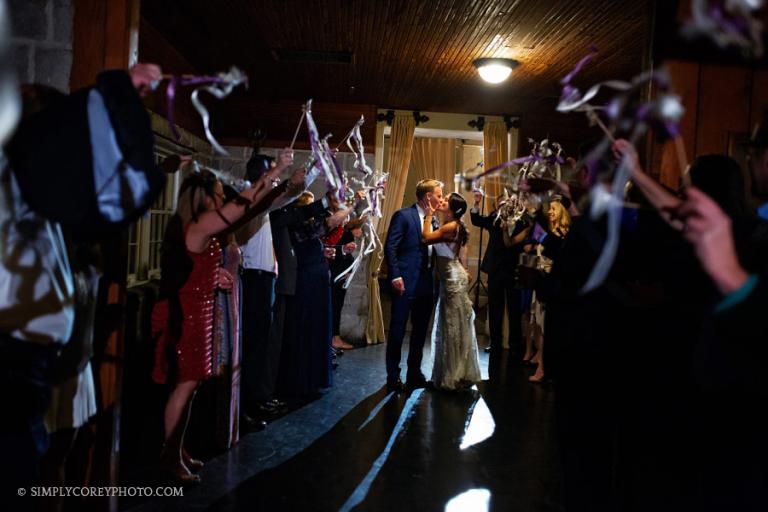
x,y
495,71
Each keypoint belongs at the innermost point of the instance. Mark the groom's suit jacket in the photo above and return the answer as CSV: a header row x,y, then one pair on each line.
x,y
406,256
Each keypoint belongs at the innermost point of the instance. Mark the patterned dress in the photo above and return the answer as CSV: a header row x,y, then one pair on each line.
x,y
194,349
455,359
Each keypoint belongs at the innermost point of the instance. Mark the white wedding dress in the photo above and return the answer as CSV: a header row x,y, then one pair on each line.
x,y
455,359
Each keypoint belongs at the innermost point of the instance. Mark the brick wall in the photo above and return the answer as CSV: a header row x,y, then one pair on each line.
x,y
42,40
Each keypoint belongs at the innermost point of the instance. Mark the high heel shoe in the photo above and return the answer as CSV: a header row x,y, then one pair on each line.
x,y
177,468
193,464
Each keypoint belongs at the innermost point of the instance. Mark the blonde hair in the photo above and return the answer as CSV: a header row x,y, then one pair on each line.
x,y
563,218
425,186
305,198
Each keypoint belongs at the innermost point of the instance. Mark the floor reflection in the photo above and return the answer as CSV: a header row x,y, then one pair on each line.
x,y
490,448
473,500
480,426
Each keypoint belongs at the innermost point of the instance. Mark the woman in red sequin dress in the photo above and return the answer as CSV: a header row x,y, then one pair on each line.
x,y
183,319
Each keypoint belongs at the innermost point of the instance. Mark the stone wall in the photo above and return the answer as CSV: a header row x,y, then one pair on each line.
x,y
42,39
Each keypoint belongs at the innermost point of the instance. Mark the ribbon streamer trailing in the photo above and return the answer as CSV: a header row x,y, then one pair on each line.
x,y
629,116
728,23
220,86
226,178
355,144
324,160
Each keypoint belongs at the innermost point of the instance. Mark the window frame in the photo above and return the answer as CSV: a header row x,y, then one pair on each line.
x,y
144,269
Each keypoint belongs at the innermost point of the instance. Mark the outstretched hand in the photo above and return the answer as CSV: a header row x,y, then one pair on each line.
x,y
143,76
225,280
399,286
709,229
623,149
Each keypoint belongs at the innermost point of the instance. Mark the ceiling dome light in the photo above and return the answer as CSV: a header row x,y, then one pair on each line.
x,y
495,71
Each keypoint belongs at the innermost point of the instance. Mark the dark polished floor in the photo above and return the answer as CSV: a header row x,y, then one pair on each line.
x,y
360,448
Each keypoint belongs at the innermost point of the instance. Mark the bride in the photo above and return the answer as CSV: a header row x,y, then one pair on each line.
x,y
454,345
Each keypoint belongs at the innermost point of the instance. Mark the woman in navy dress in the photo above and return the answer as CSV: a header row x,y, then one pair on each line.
x,y
305,357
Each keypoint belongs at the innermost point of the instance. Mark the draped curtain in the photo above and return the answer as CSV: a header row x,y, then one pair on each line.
x,y
400,149
495,152
435,158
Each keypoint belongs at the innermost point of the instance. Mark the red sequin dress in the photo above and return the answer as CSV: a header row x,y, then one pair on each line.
x,y
194,349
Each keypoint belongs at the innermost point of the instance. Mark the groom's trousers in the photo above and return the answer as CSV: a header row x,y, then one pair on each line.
x,y
419,307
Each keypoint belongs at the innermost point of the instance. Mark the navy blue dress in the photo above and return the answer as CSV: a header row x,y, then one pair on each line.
x,y
305,357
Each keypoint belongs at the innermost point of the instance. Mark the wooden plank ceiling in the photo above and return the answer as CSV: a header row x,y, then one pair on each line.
x,y
408,54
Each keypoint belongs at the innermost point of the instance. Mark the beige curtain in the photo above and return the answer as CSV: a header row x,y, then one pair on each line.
x,y
435,158
495,152
400,149
374,329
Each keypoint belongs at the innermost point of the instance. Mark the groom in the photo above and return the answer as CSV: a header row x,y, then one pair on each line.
x,y
410,272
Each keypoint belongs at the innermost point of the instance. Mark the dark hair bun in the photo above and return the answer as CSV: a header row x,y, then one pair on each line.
x,y
457,204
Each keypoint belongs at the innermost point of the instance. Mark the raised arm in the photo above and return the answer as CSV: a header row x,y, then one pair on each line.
x,y
445,233
516,239
481,221
289,216
665,202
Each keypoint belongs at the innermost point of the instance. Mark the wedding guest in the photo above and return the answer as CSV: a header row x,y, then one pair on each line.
x,y
260,357
343,242
758,162
183,320
547,248
499,263
54,146
73,393
728,362
302,318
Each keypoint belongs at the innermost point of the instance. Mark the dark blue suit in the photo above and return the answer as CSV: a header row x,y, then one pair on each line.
x,y
408,258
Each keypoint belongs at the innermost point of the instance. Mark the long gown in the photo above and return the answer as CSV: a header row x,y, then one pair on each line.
x,y
305,355
227,346
456,363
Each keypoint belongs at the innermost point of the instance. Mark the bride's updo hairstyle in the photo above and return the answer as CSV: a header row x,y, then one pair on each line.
x,y
458,206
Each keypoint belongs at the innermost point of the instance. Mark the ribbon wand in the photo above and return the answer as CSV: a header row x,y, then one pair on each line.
x,y
304,108
349,134
595,120
682,160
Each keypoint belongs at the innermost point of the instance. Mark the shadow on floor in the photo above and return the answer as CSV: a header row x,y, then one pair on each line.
x,y
492,448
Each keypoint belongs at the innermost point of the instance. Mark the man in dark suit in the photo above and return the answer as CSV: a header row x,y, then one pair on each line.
x,y
410,272
500,263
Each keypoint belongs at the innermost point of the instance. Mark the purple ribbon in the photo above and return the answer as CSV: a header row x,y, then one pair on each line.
x,y
554,159
170,93
567,78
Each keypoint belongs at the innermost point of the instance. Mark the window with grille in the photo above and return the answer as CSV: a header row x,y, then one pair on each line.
x,y
145,236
